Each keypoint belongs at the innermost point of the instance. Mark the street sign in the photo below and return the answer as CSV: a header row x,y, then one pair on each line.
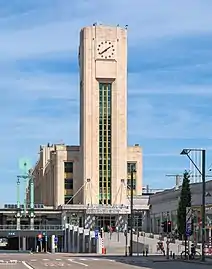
x,y
188,229
96,234
189,214
56,239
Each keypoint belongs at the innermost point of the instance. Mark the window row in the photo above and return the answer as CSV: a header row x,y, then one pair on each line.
x,y
68,186
68,167
105,160
104,167
105,202
104,98
105,127
131,166
105,185
104,138
129,185
105,92
68,199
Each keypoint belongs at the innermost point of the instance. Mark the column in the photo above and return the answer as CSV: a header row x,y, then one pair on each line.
x,y
24,243
53,244
70,237
80,240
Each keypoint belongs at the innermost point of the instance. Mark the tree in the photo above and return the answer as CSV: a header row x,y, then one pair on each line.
x,y
184,202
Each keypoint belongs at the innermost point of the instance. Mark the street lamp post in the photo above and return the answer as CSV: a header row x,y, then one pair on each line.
x,y
132,171
202,173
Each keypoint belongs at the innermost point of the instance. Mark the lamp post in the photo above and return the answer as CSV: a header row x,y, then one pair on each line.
x,y
132,171
202,173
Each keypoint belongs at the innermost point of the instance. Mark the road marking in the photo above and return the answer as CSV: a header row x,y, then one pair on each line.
x,y
83,259
95,259
33,260
27,265
80,263
45,259
58,259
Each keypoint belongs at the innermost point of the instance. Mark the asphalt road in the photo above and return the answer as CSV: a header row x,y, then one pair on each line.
x,y
41,261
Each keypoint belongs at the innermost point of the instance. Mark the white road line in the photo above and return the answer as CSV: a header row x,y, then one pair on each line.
x,y
95,259
83,259
58,259
33,260
45,259
80,263
27,265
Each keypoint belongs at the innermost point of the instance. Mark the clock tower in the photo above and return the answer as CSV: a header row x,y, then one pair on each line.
x,y
103,113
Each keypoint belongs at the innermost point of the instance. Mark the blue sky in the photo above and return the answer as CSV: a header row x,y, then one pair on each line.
x,y
169,79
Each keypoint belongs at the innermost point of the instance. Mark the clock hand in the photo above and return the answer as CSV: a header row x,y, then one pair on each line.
x,y
105,50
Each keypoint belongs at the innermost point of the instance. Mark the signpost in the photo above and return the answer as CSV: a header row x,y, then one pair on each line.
x,y
96,234
188,229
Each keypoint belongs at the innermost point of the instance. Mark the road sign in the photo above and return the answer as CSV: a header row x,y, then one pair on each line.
x,y
96,234
56,239
189,214
188,229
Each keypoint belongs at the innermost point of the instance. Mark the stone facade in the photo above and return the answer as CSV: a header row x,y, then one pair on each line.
x,y
102,61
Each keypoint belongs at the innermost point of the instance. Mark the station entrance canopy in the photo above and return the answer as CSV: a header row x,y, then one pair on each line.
x,y
98,209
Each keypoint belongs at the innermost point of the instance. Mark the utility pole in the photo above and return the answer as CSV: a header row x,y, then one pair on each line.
x,y
131,208
203,203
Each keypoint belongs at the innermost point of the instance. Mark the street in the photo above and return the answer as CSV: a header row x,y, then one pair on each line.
x,y
41,261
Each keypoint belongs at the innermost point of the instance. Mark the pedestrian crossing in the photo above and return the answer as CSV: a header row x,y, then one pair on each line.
x,y
66,262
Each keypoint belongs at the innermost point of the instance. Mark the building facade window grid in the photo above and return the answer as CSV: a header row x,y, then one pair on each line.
x,y
105,143
68,181
131,166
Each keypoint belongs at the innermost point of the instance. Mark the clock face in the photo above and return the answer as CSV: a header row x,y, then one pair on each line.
x,y
106,50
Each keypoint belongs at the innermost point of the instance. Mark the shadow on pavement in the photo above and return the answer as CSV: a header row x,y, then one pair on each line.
x,y
152,262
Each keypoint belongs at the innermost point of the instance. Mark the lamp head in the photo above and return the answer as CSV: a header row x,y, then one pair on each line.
x,y
185,151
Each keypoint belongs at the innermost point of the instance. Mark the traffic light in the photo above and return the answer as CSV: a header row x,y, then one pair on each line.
x,y
164,226
169,226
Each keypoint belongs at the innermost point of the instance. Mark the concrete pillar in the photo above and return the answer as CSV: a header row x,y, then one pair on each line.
x,y
53,243
70,237
86,240
80,240
24,243
65,241
74,241
93,243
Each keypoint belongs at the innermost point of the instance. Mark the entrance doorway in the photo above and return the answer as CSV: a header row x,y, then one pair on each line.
x,y
105,222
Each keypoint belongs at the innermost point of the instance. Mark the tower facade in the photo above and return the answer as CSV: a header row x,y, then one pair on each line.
x,y
103,113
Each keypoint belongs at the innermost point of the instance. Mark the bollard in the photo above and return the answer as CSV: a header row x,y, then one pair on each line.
x,y
173,256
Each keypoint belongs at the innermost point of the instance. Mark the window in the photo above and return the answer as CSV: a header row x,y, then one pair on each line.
x,y
69,185
131,165
105,145
68,200
68,167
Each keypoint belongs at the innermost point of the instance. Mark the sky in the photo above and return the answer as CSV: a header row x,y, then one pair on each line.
x,y
169,80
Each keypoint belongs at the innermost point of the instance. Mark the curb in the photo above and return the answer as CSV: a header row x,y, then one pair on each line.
x,y
199,262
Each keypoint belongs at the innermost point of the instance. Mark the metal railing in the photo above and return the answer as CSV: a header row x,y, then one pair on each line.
x,y
35,227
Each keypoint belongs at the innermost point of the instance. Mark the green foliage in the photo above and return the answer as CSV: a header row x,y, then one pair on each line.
x,y
185,201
